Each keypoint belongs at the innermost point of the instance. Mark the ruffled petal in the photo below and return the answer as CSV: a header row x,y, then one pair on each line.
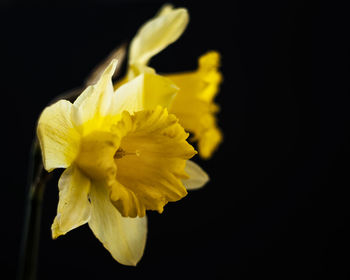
x,y
204,82
197,176
144,92
194,104
73,207
209,141
124,238
157,34
58,137
150,162
209,64
96,102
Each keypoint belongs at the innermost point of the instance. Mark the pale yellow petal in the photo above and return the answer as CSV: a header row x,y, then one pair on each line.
x,y
157,34
119,54
73,207
150,163
144,92
59,140
124,238
96,101
165,9
197,176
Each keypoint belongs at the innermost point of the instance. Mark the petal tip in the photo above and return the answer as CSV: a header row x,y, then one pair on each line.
x,y
197,176
111,67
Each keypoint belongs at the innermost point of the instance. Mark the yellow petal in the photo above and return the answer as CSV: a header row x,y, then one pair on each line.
x,y
208,70
73,207
209,141
194,105
204,82
59,140
144,92
124,238
151,162
96,102
157,34
96,153
197,176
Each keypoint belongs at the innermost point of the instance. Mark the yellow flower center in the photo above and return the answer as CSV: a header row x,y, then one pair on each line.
x,y
95,158
141,159
121,153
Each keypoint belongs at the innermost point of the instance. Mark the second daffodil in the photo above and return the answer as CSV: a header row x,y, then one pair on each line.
x,y
194,104
123,154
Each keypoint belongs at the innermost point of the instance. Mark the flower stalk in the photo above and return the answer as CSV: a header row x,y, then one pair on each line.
x,y
37,179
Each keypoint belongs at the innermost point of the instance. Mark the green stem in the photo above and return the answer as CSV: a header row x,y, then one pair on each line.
x,y
30,239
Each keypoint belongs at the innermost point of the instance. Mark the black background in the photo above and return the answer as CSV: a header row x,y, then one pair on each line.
x,y
277,204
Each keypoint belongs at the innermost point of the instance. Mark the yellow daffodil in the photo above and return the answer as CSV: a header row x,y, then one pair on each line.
x,y
194,104
123,154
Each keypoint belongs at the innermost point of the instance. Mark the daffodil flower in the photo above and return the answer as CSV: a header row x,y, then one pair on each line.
x,y
194,104
123,154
